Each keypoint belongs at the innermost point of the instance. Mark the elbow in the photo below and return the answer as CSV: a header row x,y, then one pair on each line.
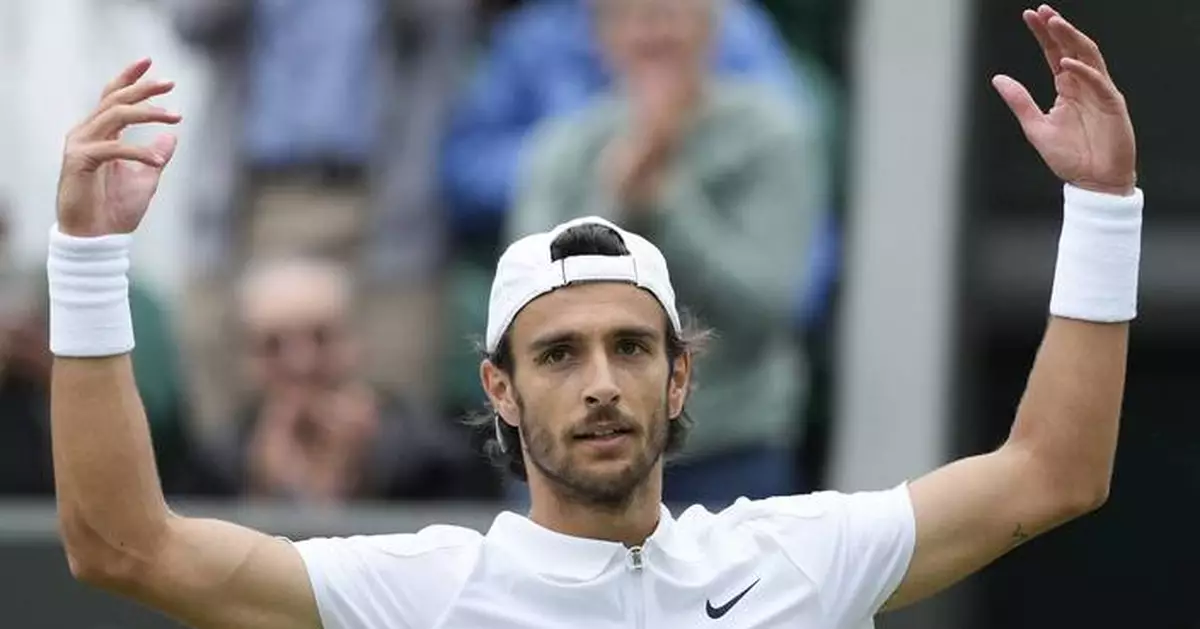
x,y
86,570
1064,492
1088,499
99,561
91,560
1079,499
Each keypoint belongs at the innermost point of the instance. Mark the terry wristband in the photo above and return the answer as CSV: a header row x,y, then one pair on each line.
x,y
1099,249
89,295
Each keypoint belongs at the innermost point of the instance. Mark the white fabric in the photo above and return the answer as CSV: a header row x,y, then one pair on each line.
x,y
1099,250
89,295
817,561
525,272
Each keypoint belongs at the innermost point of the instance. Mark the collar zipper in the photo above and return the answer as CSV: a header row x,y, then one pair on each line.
x,y
635,558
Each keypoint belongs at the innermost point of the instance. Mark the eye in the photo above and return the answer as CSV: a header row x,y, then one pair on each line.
x,y
553,355
630,347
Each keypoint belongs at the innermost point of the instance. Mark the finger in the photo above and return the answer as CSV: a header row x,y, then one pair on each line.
x,y
112,121
127,77
1098,84
165,145
1047,11
1019,102
1050,48
134,94
92,156
1075,44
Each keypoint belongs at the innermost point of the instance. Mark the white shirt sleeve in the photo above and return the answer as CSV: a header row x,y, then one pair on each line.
x,y
856,547
388,581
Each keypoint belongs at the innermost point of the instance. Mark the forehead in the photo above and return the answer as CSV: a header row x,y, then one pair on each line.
x,y
293,301
588,309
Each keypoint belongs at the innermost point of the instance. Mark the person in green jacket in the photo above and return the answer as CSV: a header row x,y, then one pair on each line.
x,y
729,179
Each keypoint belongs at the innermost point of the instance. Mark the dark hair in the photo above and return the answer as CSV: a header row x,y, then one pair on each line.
x,y
502,444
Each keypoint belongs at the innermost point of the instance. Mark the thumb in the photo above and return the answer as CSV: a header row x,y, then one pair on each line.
x,y
164,145
1019,102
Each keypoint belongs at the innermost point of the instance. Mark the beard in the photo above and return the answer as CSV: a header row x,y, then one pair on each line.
x,y
555,456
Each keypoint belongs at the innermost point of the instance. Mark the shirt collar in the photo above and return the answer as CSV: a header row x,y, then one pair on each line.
x,y
554,554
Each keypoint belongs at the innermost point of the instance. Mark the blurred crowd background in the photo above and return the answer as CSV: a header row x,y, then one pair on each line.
x,y
834,187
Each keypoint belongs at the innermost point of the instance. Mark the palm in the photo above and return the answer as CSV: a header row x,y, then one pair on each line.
x,y
106,184
123,191
1086,138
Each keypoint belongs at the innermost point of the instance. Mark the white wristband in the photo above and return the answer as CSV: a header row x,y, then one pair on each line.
x,y
89,295
1099,250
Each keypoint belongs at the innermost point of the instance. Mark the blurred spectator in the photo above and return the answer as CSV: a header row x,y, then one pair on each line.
x,y
726,178
321,139
316,428
543,61
25,361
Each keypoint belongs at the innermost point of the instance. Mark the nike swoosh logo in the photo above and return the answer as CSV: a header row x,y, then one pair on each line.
x,y
717,612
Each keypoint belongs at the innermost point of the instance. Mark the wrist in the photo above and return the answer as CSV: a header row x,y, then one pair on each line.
x,y
1096,272
81,230
1123,189
89,294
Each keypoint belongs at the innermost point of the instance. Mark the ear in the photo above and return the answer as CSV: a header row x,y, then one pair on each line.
x,y
679,384
500,391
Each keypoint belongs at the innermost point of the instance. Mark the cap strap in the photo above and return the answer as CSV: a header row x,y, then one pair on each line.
x,y
593,268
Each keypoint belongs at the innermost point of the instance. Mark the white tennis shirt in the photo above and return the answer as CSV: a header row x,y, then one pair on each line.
x,y
818,561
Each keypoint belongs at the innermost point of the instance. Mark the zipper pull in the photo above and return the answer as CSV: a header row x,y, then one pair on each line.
x,y
635,558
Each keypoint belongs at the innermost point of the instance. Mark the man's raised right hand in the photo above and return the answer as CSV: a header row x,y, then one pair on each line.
x,y
106,185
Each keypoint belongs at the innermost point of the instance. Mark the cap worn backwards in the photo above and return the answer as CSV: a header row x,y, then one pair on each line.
x,y
526,271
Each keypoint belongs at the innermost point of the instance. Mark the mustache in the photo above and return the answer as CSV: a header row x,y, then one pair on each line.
x,y
605,418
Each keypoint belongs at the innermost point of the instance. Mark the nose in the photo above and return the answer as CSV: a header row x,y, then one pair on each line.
x,y
602,387
300,359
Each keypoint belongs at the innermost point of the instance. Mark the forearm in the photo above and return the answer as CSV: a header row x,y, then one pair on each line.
x,y
111,505
1068,419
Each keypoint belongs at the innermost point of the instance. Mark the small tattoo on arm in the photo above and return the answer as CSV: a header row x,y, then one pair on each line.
x,y
1019,535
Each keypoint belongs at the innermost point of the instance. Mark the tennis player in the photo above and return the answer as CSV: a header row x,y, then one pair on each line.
x,y
588,375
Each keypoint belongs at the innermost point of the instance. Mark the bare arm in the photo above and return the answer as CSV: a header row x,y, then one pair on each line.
x,y
116,527
1057,463
1055,466
120,535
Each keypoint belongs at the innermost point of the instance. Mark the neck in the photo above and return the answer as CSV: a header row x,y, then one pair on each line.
x,y
629,523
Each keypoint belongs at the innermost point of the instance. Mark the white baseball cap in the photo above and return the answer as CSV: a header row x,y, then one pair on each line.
x,y
526,272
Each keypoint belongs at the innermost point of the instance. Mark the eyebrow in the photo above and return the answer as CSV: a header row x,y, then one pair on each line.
x,y
565,338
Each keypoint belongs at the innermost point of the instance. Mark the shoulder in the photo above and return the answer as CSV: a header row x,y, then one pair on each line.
x,y
438,545
808,510
824,510
401,578
853,549
812,529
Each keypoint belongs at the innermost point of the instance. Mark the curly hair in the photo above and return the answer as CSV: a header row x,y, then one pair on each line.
x,y
502,445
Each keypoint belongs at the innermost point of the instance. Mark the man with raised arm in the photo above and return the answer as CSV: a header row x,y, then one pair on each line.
x,y
588,370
